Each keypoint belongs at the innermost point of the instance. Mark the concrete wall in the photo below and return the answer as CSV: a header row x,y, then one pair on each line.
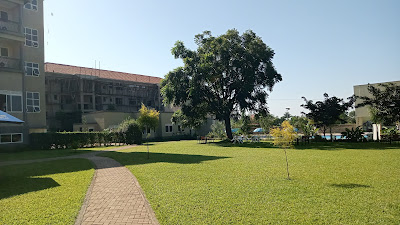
x,y
362,113
86,127
338,128
103,120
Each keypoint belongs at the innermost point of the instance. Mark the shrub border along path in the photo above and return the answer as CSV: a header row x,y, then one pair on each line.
x,y
114,196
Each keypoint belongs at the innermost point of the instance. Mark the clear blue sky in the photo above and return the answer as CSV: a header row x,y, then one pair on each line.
x,y
320,46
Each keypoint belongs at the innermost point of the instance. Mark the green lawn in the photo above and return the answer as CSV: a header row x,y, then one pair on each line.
x,y
190,183
44,193
39,154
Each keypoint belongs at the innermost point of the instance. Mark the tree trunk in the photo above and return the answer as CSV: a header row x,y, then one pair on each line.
x,y
324,132
228,128
148,151
287,165
330,131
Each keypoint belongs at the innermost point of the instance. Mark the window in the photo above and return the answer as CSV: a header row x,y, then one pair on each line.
x,y
3,16
4,52
11,103
31,37
55,97
10,138
32,69
118,101
132,102
168,128
33,5
148,130
32,102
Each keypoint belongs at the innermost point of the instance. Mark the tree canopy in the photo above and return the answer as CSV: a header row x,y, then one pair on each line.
x,y
385,102
148,118
327,112
284,135
225,76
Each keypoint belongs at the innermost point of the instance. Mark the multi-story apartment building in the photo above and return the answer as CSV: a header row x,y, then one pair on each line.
x,y
22,80
79,90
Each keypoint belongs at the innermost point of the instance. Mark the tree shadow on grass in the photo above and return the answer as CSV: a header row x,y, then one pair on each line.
x,y
138,158
22,185
21,179
244,145
350,185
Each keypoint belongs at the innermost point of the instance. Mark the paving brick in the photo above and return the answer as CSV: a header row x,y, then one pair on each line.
x,y
115,197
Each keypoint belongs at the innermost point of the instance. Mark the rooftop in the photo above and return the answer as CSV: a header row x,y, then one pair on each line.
x,y
105,74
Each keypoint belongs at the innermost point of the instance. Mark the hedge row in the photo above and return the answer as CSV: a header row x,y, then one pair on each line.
x,y
73,140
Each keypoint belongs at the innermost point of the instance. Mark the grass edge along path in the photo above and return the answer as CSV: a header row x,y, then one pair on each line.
x,y
42,154
44,193
190,183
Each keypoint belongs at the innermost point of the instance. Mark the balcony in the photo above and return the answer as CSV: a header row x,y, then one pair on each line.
x,y
10,64
11,30
12,3
10,26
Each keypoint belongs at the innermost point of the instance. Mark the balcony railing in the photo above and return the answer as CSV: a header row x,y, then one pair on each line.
x,y
10,26
10,63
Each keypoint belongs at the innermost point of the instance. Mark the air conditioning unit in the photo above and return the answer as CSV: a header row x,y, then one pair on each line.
x,y
34,44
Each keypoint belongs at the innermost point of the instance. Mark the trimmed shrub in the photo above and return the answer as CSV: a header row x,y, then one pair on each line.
x,y
68,140
134,134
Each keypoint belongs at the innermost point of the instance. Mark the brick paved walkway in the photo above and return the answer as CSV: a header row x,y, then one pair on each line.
x,y
114,196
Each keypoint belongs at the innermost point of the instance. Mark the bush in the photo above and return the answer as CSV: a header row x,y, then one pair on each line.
x,y
81,139
217,130
318,138
353,134
134,134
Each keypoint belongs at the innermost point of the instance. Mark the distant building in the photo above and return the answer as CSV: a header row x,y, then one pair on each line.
x,y
362,114
22,86
86,99
71,89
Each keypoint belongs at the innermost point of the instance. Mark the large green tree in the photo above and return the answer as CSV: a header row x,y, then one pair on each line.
x,y
327,112
384,102
225,76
